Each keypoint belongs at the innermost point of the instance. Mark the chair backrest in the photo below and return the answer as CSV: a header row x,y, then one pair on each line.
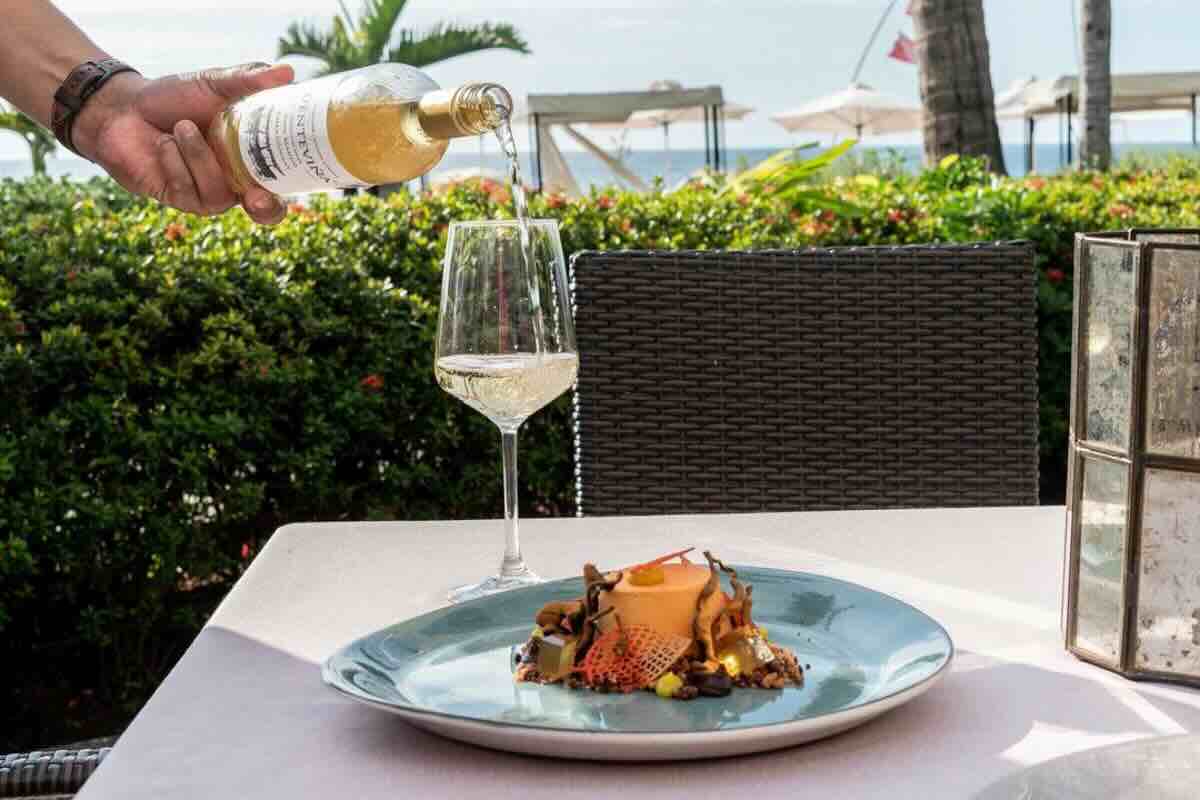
x,y
856,377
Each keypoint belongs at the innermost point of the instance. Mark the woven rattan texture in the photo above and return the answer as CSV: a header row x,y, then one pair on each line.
x,y
864,377
47,773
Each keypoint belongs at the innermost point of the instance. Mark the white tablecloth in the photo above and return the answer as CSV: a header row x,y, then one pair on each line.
x,y
244,714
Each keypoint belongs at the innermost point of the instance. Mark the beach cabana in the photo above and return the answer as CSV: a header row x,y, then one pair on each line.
x,y
547,111
1132,92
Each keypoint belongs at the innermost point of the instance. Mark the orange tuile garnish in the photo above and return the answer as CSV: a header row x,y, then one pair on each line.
x,y
661,560
646,656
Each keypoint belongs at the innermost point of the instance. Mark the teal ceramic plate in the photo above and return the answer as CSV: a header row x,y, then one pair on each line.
x,y
449,672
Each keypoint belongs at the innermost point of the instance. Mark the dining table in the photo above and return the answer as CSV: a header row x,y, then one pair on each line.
x,y
244,712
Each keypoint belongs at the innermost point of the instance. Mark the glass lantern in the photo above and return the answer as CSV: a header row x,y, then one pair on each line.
x,y
1132,587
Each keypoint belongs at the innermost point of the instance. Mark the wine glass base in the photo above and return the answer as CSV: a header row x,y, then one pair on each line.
x,y
492,585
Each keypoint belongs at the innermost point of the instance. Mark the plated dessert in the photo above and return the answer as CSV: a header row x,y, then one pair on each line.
x,y
666,625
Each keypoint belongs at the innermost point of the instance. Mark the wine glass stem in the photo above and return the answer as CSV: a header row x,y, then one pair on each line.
x,y
513,563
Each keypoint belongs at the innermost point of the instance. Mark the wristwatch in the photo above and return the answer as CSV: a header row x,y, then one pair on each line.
x,y
83,82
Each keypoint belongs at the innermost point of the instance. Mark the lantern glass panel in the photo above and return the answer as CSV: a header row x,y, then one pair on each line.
x,y
1173,385
1102,520
1168,618
1108,338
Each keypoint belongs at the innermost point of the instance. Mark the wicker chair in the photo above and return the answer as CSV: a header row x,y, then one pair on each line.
x,y
860,377
48,773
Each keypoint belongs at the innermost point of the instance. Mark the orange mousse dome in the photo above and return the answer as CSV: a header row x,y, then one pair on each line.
x,y
669,607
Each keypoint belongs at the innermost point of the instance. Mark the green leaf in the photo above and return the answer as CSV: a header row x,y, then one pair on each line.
x,y
444,41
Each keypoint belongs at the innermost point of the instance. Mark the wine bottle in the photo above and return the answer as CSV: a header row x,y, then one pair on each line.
x,y
386,123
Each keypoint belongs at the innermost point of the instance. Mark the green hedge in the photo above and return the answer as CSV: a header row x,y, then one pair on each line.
x,y
173,389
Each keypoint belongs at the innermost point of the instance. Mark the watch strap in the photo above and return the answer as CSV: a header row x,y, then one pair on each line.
x,y
83,82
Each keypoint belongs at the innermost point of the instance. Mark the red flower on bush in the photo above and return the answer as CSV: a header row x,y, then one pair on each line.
x,y
296,208
1037,184
743,199
263,370
1120,210
1097,182
604,201
825,215
895,215
555,201
72,274
175,230
245,551
626,225
1055,275
372,383
19,329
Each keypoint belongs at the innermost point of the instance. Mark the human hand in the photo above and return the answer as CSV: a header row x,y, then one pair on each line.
x,y
149,136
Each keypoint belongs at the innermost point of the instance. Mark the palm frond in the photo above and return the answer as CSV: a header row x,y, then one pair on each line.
x,y
334,49
447,40
375,24
346,14
792,177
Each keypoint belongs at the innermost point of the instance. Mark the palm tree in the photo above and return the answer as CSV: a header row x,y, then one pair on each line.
x,y
1095,84
956,81
41,142
372,38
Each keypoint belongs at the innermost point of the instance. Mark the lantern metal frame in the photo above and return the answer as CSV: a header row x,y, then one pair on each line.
x,y
1136,459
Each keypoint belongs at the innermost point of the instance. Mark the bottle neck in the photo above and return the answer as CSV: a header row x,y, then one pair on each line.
x,y
469,110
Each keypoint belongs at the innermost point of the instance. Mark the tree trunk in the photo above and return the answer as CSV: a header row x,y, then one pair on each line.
x,y
956,81
1095,84
37,152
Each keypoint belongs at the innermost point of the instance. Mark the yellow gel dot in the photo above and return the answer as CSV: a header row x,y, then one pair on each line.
x,y
650,576
668,685
732,665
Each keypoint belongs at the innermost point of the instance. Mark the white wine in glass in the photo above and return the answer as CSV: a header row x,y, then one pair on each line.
x,y
505,347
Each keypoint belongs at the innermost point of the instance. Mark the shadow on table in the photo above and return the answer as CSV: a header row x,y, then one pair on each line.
x,y
238,718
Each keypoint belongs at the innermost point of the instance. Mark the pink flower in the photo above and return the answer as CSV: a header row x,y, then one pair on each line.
x,y
372,383
1055,275
604,201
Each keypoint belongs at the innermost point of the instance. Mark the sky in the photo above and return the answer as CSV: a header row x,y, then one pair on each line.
x,y
769,54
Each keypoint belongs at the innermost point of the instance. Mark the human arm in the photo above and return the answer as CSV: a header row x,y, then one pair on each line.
x,y
147,134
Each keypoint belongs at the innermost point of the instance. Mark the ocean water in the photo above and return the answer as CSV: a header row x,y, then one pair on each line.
x,y
672,166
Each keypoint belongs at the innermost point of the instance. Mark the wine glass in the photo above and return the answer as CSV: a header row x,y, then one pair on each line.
x,y
505,346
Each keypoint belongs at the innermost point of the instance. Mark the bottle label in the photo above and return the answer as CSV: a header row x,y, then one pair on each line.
x,y
284,139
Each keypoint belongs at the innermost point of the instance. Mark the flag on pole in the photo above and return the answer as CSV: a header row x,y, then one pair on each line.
x,y
904,50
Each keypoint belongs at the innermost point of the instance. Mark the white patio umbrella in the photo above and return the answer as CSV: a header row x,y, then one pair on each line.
x,y
666,117
858,109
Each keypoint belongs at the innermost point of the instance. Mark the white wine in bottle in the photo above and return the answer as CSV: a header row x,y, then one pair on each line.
x,y
387,123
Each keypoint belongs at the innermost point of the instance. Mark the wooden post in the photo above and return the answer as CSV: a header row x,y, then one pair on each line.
x,y
537,151
1193,121
1070,132
1030,129
707,140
